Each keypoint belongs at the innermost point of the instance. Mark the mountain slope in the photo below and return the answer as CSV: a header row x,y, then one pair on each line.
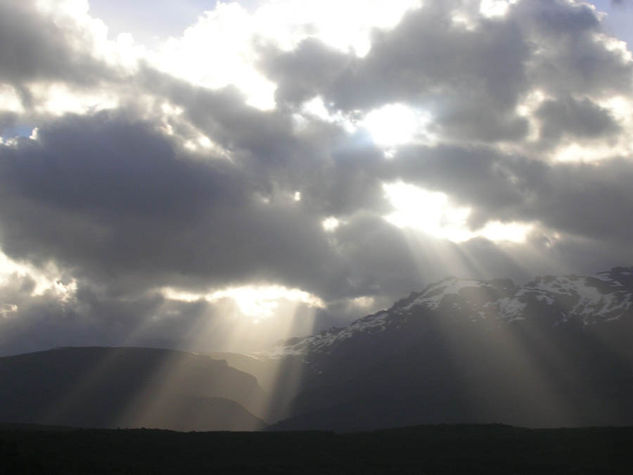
x,y
127,387
554,352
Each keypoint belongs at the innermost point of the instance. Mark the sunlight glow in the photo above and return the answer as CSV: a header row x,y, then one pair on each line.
x,y
432,213
511,232
330,224
495,8
252,301
427,211
394,124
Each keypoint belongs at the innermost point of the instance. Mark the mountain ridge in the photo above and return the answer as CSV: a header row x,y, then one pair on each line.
x,y
600,297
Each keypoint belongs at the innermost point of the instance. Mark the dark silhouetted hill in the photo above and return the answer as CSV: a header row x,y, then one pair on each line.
x,y
127,387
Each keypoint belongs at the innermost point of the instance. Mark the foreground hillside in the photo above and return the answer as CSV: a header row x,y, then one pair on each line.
x,y
430,449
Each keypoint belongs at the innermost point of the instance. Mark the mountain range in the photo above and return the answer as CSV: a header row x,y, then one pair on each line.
x,y
556,351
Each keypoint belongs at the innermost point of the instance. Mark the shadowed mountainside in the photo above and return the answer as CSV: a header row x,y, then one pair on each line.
x,y
127,387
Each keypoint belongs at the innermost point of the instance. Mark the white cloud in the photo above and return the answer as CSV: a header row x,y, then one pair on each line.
x,y
47,280
222,47
9,99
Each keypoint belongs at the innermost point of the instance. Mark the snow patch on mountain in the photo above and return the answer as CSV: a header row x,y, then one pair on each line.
x,y
511,308
434,294
590,298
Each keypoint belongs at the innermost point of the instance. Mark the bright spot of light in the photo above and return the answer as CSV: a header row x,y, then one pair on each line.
x,y
394,124
252,301
432,213
512,232
427,211
330,224
495,8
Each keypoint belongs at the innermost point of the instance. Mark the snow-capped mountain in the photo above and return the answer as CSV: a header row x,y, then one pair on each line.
x,y
557,351
587,300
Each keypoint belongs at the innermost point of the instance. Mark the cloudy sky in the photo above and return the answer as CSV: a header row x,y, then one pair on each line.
x,y
220,176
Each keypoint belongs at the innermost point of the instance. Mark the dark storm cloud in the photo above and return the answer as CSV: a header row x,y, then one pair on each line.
x,y
586,199
336,174
306,71
580,119
113,198
34,48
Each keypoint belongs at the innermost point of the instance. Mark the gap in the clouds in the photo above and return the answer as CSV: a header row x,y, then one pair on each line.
x,y
618,20
149,20
17,131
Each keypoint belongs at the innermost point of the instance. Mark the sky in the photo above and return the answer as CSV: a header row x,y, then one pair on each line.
x,y
224,175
